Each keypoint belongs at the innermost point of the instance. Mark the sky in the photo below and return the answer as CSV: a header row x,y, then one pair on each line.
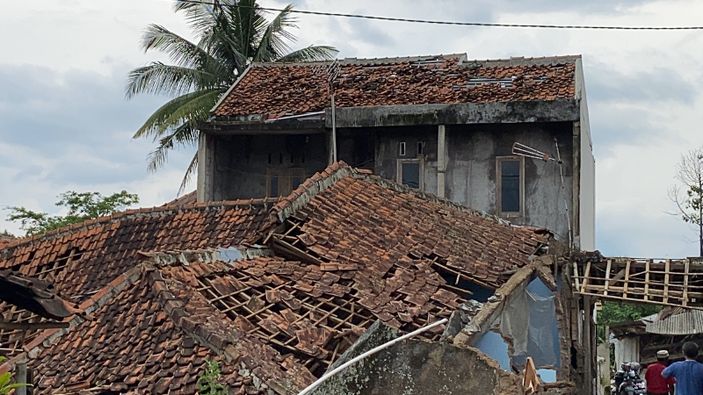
x,y
66,125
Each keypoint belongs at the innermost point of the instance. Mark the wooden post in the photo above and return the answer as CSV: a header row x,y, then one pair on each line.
x,y
607,277
646,280
684,302
586,273
627,278
666,280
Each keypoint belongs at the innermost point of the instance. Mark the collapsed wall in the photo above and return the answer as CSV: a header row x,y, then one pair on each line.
x,y
418,367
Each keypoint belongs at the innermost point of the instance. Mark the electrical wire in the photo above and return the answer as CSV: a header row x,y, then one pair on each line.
x,y
460,23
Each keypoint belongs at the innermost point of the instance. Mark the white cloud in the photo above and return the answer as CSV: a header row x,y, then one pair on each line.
x,y
644,86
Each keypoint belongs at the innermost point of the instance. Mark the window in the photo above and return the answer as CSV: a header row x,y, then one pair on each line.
x,y
401,148
281,181
510,185
420,148
410,172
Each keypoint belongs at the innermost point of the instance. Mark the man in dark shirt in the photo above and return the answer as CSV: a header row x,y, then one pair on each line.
x,y
688,373
656,384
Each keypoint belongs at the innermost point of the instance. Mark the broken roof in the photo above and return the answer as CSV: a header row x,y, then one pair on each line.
x,y
274,90
351,249
348,216
80,259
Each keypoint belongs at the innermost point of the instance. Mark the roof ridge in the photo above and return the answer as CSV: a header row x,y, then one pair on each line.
x,y
459,56
136,212
523,61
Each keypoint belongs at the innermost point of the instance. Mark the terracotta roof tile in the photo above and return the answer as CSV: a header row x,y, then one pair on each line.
x,y
276,90
81,259
150,337
365,221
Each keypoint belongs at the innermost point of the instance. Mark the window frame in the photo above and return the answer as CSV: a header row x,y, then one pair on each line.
x,y
499,186
285,177
421,171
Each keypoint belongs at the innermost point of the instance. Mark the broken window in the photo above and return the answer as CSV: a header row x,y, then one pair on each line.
x,y
410,173
528,325
281,181
510,190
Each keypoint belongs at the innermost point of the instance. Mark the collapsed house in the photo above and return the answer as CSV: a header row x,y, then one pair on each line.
x,y
667,330
276,291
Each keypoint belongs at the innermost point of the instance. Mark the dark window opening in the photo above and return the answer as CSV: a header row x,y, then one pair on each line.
x,y
510,186
420,148
401,148
410,174
269,158
295,182
280,159
273,186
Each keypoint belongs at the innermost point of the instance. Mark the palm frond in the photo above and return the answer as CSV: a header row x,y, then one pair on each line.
x,y
311,53
184,135
180,50
160,78
200,16
275,38
190,171
190,106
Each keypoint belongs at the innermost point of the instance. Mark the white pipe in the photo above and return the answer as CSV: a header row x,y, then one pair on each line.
x,y
372,351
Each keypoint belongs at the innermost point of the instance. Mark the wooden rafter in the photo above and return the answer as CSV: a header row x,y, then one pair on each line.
x,y
666,282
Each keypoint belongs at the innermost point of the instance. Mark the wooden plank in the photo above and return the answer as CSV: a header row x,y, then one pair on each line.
x,y
646,280
586,273
685,283
28,326
666,281
577,285
607,277
627,278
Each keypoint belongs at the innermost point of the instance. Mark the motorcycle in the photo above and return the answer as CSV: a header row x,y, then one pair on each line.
x,y
627,380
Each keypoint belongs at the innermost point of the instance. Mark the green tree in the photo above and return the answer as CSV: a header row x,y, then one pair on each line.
x,y
687,194
231,34
80,205
620,312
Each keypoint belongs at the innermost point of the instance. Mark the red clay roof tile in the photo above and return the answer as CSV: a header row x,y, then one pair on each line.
x,y
275,90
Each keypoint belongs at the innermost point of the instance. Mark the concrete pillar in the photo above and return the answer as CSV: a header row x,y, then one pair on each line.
x,y
206,167
441,160
21,377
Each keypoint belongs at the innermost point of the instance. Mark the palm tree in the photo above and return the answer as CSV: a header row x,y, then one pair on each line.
x,y
231,35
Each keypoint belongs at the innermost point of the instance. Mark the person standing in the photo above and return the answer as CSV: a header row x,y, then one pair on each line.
x,y
656,383
688,373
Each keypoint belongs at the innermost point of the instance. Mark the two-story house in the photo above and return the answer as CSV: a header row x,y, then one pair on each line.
x,y
443,124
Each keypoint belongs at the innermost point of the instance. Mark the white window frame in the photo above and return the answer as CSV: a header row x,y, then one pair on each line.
x,y
402,148
399,171
499,186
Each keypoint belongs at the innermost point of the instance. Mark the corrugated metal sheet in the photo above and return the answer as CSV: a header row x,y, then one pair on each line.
x,y
687,322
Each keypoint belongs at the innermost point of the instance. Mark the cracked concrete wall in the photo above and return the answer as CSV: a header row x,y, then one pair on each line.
x,y
418,367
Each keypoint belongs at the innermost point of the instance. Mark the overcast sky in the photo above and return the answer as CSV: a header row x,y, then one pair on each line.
x,y
64,122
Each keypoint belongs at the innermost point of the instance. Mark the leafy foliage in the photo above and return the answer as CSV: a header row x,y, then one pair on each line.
x,y
80,205
687,194
6,382
209,380
231,35
619,312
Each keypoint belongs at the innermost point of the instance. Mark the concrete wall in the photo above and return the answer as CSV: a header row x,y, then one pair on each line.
x,y
240,163
587,187
471,170
471,166
418,367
